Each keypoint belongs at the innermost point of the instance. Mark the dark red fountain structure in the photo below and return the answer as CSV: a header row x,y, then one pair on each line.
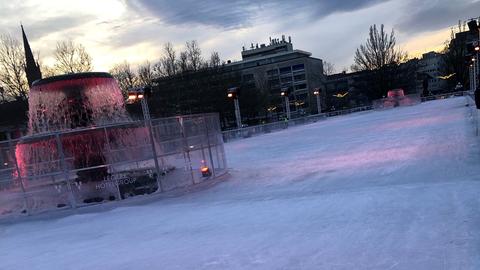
x,y
82,148
396,98
65,103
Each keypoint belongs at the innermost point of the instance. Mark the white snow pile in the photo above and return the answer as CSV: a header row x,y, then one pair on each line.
x,y
396,189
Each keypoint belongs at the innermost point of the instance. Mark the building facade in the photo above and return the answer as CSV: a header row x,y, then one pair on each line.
x,y
458,57
346,90
261,75
278,66
356,89
430,69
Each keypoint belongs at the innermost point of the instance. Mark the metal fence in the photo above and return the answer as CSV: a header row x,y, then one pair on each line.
x,y
470,98
445,95
246,132
108,163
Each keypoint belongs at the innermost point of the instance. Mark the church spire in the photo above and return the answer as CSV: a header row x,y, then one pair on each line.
x,y
31,68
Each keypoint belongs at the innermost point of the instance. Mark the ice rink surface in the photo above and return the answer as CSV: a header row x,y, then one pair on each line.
x,y
396,189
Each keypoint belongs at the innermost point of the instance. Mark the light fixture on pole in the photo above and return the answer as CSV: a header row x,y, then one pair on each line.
x,y
233,93
284,92
317,92
475,71
477,64
141,94
470,76
475,29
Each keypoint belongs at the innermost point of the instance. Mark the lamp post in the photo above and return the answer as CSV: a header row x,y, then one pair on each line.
x,y
284,93
475,71
475,29
470,73
476,64
142,93
317,91
234,93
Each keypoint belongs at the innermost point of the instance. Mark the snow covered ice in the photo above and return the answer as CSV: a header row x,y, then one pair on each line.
x,y
396,189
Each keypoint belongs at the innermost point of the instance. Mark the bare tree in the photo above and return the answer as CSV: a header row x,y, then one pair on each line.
x,y
215,59
183,62
13,79
379,50
145,74
125,76
3,94
328,68
158,70
71,58
169,59
48,71
194,55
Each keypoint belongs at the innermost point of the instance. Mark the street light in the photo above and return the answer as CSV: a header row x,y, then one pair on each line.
x,y
317,91
475,29
284,93
474,71
141,94
233,93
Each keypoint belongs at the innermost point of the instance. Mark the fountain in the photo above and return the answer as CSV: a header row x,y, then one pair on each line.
x,y
396,98
82,148
73,106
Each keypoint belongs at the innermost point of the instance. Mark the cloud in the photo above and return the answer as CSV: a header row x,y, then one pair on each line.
x,y
434,15
243,13
56,24
135,30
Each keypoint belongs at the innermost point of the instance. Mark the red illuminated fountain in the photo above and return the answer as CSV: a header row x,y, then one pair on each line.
x,y
68,103
76,100
396,98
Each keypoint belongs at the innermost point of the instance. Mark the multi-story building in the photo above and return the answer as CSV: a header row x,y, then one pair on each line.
x,y
459,56
278,66
430,68
261,75
346,90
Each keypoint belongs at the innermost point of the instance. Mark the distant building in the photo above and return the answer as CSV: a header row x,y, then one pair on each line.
x,y
430,68
459,56
277,66
346,90
356,89
261,74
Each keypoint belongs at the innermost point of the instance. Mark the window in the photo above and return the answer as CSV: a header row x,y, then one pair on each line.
x,y
286,79
299,77
286,85
285,70
298,67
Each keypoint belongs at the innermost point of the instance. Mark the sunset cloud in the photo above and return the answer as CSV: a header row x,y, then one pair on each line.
x,y
118,30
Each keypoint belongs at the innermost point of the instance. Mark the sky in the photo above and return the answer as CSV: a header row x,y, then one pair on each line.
x,y
114,31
